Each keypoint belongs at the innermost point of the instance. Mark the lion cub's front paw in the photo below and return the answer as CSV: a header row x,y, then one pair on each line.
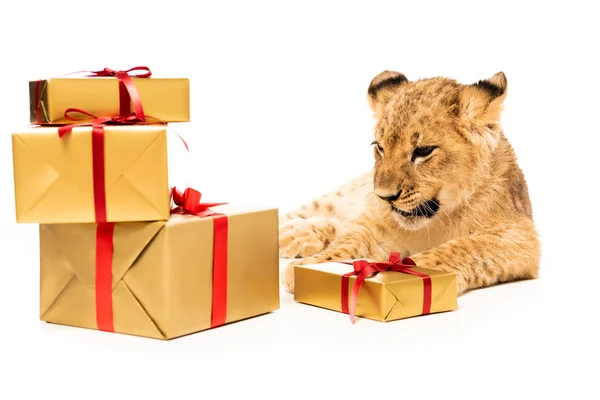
x,y
287,275
287,278
301,238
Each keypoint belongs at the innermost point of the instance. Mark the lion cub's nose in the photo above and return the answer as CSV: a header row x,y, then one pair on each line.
x,y
387,196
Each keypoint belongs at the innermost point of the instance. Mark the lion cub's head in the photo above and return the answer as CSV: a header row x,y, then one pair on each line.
x,y
434,140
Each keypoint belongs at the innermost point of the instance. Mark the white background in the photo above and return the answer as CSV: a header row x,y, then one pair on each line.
x,y
278,95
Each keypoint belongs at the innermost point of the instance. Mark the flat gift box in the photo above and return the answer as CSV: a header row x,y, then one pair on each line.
x,y
165,99
54,177
386,296
162,273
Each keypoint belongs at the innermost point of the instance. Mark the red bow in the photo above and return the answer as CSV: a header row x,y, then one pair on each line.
x,y
110,72
365,269
100,121
127,90
97,121
188,202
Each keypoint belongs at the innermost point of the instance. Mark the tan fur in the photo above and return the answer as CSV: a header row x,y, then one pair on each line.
x,y
483,229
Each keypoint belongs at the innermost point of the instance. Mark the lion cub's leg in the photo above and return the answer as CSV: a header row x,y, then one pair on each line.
x,y
300,238
504,253
357,241
311,228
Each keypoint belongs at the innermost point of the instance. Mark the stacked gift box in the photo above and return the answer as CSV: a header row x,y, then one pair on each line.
x,y
121,250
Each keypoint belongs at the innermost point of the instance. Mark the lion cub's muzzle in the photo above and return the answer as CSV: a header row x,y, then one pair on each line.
x,y
426,209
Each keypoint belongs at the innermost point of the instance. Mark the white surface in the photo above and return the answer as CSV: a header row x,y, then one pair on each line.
x,y
278,93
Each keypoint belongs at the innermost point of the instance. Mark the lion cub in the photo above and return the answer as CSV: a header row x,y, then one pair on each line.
x,y
445,189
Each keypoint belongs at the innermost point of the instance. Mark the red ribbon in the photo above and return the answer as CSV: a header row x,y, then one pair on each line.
x,y
104,255
128,92
104,229
101,121
365,269
189,202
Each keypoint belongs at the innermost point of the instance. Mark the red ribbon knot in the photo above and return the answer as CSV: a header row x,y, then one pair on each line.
x,y
130,72
364,269
96,121
189,202
128,92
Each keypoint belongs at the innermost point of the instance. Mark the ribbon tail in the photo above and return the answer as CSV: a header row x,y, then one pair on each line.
x,y
132,95
208,205
124,100
362,275
345,298
354,296
183,140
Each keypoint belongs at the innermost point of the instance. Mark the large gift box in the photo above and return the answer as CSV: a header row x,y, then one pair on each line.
x,y
117,175
162,279
382,291
108,93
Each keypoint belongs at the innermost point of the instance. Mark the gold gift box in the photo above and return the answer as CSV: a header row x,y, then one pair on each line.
x,y
167,99
53,177
162,272
387,296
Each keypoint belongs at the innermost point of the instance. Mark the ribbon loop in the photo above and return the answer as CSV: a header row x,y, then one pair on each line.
x,y
70,111
189,202
364,269
96,121
111,72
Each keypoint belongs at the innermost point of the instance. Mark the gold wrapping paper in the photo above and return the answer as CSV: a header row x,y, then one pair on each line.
x,y
162,272
386,296
167,99
53,177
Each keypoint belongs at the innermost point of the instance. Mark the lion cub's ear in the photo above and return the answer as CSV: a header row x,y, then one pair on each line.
x,y
481,102
382,88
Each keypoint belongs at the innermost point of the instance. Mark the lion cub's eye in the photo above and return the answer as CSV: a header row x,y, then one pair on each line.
x,y
423,151
378,146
